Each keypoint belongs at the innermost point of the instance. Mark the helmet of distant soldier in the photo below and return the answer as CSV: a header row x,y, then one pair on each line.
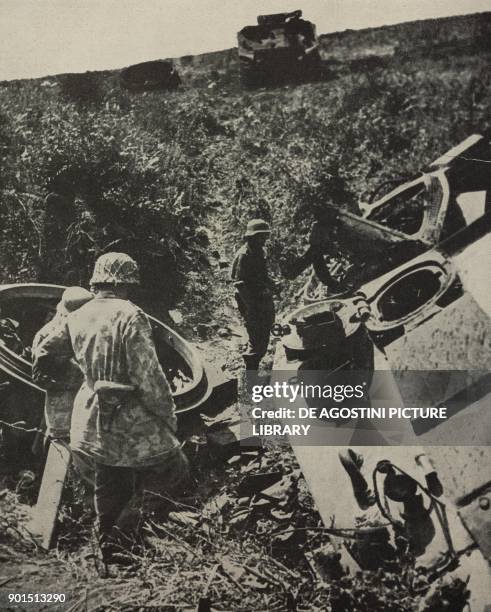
x,y
115,269
257,226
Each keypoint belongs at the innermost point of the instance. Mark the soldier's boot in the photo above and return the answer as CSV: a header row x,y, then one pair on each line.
x,y
252,362
352,463
252,371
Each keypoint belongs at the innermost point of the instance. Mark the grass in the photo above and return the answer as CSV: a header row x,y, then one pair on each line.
x,y
172,178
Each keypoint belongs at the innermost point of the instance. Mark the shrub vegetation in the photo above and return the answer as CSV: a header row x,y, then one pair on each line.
x,y
150,170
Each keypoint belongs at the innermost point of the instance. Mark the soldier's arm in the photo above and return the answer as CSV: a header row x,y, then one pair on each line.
x,y
247,281
321,245
51,354
241,279
145,371
245,293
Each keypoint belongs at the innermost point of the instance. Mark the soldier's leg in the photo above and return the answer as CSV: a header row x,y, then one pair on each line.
x,y
114,488
165,484
264,323
250,356
85,467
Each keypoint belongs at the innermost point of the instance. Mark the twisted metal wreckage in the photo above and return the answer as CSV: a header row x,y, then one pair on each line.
x,y
423,246
281,47
416,304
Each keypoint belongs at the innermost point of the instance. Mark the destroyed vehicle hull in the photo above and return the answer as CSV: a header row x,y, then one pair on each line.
x,y
147,76
431,315
449,202
281,48
368,248
451,193
397,302
404,297
280,66
31,304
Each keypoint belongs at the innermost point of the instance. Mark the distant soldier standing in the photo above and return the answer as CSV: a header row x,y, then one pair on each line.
x,y
254,291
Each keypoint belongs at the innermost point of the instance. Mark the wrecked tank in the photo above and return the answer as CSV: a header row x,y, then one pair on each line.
x,y
451,197
281,48
148,76
422,314
25,308
415,255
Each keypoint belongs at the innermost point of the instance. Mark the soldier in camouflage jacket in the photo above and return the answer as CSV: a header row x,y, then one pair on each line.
x,y
124,414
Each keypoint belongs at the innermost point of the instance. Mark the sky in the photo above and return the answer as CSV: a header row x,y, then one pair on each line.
x,y
41,37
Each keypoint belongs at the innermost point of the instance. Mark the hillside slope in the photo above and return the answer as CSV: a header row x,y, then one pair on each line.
x,y
153,172
172,178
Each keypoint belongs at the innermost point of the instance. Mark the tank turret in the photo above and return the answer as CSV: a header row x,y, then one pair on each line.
x,y
281,48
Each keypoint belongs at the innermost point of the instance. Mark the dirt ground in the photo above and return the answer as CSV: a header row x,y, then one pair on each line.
x,y
226,538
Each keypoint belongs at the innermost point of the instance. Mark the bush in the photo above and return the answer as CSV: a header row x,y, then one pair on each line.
x,y
132,193
147,170
83,88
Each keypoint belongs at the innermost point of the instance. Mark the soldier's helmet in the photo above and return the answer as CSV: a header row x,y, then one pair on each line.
x,y
257,226
72,299
115,269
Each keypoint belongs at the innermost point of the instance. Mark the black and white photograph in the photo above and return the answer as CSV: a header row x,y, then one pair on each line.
x,y
245,306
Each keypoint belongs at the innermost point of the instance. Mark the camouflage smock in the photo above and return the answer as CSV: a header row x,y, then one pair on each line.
x,y
111,340
60,394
